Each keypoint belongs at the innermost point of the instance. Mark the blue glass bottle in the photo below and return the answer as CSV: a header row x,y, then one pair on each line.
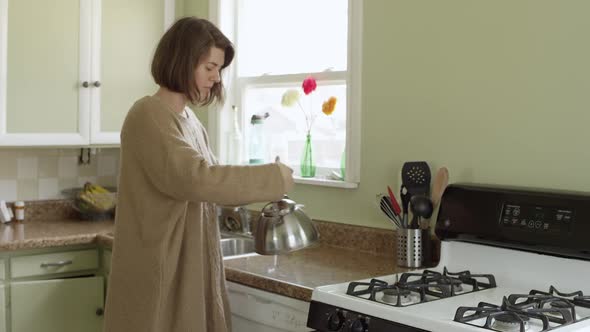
x,y
258,147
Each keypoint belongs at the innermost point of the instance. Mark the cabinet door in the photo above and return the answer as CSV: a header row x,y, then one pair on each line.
x,y
106,263
2,310
44,58
59,305
129,33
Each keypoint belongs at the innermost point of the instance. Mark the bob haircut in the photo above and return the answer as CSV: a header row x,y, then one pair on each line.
x,y
178,53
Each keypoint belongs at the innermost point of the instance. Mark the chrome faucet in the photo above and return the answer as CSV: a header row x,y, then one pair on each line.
x,y
235,219
244,220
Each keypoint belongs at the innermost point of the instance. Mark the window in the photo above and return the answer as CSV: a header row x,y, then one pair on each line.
x,y
279,44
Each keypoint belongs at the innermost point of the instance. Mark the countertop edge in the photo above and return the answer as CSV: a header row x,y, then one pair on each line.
x,y
268,284
50,242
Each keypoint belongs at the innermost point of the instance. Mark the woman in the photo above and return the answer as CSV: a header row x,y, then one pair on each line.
x,y
167,270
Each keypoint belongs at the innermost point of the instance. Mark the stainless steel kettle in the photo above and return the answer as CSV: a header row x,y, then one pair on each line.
x,y
283,227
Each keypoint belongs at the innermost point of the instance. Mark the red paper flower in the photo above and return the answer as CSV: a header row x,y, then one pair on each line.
x,y
309,85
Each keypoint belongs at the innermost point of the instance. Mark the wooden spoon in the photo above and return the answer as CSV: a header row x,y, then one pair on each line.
x,y
441,180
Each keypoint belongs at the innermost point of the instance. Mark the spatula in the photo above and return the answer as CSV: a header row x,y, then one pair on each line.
x,y
405,196
416,177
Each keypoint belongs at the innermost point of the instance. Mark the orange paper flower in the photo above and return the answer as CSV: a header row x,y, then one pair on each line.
x,y
329,105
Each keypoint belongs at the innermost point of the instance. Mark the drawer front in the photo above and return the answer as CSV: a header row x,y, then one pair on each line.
x,y
60,262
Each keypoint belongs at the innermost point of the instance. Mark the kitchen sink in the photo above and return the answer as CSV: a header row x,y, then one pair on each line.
x,y
237,247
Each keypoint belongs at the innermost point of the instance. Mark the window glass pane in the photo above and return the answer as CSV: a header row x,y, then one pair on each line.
x,y
286,129
287,37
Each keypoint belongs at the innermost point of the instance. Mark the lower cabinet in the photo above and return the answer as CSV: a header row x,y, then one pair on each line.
x,y
106,266
52,290
57,305
254,310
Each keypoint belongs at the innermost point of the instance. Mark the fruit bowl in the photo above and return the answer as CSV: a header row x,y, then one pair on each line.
x,y
86,211
93,202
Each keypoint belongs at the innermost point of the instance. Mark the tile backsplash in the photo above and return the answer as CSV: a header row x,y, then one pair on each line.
x,y
30,174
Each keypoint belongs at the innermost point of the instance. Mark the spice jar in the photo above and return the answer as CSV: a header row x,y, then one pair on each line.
x,y
19,210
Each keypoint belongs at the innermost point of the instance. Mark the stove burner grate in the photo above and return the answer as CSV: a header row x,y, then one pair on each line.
x,y
416,288
500,318
517,310
396,296
509,321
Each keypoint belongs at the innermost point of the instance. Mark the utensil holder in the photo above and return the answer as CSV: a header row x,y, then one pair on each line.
x,y
426,248
409,247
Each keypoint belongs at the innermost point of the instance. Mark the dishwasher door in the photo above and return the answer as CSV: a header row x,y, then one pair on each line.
x,y
254,310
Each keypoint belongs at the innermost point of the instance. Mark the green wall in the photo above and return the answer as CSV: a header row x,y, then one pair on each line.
x,y
497,91
197,8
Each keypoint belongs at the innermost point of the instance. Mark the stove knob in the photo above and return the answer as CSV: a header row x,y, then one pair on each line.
x,y
359,325
335,321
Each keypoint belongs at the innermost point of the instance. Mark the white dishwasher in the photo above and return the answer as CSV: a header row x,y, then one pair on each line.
x,y
254,310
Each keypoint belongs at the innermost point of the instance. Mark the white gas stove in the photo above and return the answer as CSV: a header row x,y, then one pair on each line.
x,y
496,273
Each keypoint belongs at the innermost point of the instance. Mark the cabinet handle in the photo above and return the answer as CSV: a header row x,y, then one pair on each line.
x,y
251,296
258,299
85,84
56,264
99,312
96,84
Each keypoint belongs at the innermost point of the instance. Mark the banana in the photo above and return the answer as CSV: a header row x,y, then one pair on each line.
x,y
97,197
95,188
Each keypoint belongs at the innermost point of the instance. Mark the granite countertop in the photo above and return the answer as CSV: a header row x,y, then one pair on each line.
x,y
55,233
293,275
296,274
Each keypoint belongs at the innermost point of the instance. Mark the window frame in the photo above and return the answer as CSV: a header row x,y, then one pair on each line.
x,y
221,118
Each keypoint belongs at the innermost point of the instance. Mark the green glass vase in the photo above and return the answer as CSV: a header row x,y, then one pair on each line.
x,y
307,165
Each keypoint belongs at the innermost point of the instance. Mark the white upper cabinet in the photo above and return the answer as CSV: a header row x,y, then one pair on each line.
x,y
129,32
44,56
71,69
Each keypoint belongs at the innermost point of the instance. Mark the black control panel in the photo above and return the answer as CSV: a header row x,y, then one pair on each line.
x,y
327,318
554,222
534,218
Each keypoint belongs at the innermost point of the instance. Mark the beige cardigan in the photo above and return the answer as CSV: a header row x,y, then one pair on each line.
x,y
167,270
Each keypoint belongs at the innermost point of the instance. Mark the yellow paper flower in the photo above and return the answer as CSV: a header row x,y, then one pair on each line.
x,y
290,98
329,105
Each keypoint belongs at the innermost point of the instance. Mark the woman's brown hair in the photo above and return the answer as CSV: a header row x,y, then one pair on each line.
x,y
179,52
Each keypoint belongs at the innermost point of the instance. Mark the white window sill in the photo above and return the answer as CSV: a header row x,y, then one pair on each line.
x,y
326,182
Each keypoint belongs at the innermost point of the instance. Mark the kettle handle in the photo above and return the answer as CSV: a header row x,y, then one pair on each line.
x,y
280,213
264,208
